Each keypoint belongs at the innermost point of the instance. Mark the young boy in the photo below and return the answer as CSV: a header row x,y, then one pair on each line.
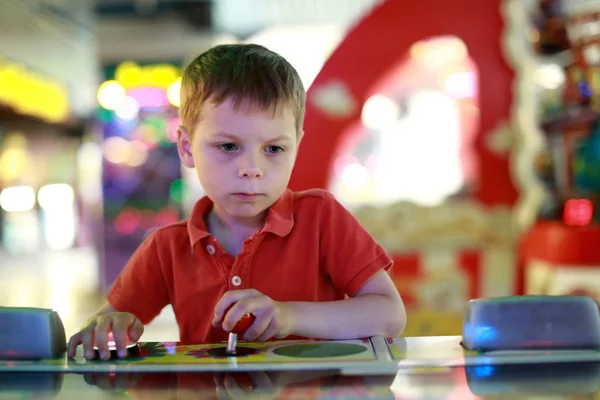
x,y
298,261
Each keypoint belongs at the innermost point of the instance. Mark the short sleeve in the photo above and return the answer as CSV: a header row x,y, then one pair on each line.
x,y
351,255
140,289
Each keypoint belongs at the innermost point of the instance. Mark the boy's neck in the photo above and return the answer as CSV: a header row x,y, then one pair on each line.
x,y
231,233
234,227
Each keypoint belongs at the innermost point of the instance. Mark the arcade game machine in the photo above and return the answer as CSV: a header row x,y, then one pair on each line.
x,y
559,254
502,353
142,185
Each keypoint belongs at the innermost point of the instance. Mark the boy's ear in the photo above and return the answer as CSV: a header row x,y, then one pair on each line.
x,y
184,147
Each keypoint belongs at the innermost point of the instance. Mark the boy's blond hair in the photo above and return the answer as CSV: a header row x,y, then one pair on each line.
x,y
249,74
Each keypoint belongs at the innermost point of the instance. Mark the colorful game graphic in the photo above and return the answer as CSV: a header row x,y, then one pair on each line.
x,y
168,353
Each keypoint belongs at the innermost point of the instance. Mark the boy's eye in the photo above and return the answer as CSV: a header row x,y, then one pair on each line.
x,y
227,147
274,149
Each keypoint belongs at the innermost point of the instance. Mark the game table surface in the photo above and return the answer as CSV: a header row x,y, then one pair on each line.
x,y
373,368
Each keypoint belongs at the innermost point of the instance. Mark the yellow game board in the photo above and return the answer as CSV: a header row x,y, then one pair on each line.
x,y
273,352
172,356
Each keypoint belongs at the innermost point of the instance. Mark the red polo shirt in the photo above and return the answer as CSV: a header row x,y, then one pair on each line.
x,y
310,249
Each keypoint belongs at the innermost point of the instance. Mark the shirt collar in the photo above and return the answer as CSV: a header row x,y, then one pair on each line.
x,y
279,221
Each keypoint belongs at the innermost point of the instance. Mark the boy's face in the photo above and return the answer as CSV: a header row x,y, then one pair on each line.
x,y
243,158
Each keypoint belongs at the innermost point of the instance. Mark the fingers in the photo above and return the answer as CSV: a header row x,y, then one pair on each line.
x,y
136,330
263,322
244,306
227,300
268,332
126,329
120,332
72,345
122,328
266,323
87,340
103,327
271,320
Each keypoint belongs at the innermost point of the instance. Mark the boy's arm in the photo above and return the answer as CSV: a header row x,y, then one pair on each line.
x,y
357,264
375,310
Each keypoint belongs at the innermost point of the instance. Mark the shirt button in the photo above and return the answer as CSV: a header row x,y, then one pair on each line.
x,y
236,280
211,249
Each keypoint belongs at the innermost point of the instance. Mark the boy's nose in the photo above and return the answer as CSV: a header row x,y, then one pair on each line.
x,y
250,167
250,173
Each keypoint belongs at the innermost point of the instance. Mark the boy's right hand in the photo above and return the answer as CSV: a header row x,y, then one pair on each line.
x,y
122,328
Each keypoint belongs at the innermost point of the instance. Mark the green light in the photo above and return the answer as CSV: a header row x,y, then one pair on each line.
x,y
179,190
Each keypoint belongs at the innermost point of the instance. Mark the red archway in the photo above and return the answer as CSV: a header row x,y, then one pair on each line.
x,y
365,56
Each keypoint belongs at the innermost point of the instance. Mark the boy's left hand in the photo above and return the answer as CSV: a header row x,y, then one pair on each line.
x,y
273,318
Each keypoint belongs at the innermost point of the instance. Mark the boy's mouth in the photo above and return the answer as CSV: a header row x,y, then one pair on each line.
x,y
247,196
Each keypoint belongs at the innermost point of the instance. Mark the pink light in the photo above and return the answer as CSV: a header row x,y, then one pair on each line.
x,y
166,216
127,221
578,212
149,97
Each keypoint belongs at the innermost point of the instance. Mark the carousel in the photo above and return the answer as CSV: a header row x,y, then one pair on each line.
x,y
470,160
